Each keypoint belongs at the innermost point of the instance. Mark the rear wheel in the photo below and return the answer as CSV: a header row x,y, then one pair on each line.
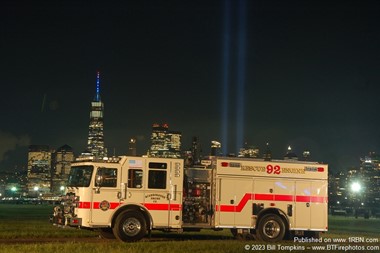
x,y
130,226
271,228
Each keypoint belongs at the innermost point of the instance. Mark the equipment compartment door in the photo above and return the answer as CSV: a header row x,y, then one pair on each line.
x,y
175,194
318,204
234,202
302,205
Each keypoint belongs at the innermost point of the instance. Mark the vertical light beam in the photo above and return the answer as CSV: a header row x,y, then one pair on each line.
x,y
225,74
240,74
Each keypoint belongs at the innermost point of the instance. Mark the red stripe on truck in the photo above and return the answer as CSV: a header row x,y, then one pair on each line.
x,y
162,207
269,197
149,206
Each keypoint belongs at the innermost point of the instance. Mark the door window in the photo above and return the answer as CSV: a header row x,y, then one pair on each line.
x,y
106,177
157,175
135,178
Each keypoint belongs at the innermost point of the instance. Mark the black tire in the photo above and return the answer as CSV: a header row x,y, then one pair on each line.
x,y
271,228
130,226
106,233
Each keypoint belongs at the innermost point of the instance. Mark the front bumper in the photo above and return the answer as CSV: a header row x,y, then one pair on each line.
x,y
64,214
60,220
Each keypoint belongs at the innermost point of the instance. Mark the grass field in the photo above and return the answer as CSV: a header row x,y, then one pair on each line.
x,y
22,224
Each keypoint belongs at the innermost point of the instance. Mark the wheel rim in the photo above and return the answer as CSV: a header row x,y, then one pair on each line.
x,y
131,226
271,229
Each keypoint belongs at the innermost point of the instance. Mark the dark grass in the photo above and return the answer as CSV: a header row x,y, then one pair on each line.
x,y
18,222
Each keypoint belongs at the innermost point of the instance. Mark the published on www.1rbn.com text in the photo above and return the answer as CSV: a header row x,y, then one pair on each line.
x,y
352,244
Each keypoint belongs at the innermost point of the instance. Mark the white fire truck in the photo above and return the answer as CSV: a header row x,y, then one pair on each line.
x,y
128,197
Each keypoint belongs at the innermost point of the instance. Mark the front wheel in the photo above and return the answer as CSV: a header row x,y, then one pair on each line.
x,y
271,228
130,226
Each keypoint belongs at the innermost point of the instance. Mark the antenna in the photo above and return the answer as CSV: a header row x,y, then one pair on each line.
x,y
97,95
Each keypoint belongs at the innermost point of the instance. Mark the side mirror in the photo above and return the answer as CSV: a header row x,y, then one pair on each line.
x,y
99,181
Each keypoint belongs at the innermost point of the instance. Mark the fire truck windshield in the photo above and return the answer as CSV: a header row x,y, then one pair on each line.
x,y
80,176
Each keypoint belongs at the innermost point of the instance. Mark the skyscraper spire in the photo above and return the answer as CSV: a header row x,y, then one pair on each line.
x,y
97,94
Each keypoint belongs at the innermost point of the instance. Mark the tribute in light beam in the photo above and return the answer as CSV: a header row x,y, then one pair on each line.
x,y
240,75
225,81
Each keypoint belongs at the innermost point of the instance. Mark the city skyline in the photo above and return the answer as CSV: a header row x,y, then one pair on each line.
x,y
307,76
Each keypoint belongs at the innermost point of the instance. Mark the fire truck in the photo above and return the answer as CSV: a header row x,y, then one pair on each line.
x,y
128,197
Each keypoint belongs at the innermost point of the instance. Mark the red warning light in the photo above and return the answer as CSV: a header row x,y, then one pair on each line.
x,y
321,169
224,164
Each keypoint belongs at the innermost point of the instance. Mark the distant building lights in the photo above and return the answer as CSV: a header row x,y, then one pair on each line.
x,y
36,188
13,189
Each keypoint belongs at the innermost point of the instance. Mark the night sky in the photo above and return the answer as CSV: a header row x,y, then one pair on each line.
x,y
299,73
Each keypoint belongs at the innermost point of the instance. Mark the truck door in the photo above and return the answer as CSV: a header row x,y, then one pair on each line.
x,y
163,197
105,195
132,186
233,202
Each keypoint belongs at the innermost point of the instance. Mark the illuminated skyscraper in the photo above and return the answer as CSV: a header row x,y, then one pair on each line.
x,y
61,165
158,139
174,143
267,154
95,144
39,169
196,151
165,143
132,151
62,160
39,162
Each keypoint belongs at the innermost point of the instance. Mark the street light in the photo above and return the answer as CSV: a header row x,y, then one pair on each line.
x,y
356,187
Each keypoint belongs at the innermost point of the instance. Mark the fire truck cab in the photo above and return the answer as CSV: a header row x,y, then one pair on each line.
x,y
128,197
